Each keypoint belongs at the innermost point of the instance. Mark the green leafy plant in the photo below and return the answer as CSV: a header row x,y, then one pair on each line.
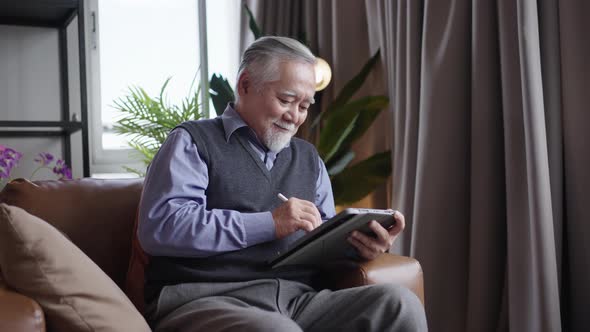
x,y
148,120
220,92
342,123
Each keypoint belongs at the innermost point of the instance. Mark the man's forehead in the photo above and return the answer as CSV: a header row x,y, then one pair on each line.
x,y
294,94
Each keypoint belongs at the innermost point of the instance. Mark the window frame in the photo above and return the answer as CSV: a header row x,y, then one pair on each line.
x,y
114,160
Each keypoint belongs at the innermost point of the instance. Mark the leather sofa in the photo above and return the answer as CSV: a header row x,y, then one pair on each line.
x,y
98,217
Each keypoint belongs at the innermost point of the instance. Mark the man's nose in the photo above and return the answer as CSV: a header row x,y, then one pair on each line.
x,y
292,115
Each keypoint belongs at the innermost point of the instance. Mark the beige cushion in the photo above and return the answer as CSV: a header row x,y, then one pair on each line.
x,y
76,295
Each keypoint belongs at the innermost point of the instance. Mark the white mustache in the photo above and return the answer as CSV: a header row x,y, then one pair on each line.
x,y
285,125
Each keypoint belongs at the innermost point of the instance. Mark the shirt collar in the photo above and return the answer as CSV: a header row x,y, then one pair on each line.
x,y
232,121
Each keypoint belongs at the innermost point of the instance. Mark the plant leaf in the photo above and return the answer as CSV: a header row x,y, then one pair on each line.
x,y
356,82
147,121
366,118
161,98
135,171
349,89
340,163
357,181
253,26
339,125
359,105
334,133
221,93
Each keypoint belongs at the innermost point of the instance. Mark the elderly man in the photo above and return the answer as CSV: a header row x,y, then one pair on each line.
x,y
211,219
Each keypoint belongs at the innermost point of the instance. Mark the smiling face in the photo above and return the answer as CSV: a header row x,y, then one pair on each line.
x,y
276,109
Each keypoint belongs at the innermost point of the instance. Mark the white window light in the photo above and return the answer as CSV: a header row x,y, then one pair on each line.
x,y
142,43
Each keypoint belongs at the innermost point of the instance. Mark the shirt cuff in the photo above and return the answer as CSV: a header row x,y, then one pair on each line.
x,y
259,227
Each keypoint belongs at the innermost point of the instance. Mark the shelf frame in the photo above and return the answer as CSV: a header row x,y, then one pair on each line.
x,y
57,14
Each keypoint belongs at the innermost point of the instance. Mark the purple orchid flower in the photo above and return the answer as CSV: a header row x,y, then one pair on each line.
x,y
12,156
44,158
9,158
4,171
62,170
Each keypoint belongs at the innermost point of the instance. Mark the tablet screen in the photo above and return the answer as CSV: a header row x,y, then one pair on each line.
x,y
329,240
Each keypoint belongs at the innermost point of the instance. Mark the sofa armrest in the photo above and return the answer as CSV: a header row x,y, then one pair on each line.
x,y
387,268
19,313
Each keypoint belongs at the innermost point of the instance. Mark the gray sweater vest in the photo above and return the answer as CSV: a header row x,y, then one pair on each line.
x,y
239,180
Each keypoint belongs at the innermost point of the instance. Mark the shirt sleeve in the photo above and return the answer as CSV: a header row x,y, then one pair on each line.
x,y
173,219
324,198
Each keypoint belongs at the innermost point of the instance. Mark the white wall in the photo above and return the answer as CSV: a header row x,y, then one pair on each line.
x,y
30,90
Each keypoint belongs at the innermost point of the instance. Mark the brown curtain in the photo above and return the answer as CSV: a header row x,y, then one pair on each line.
x,y
490,164
337,31
574,50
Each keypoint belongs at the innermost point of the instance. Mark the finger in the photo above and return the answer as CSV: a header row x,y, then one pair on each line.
x,y
369,242
318,215
380,231
307,208
400,224
311,208
309,216
304,224
363,251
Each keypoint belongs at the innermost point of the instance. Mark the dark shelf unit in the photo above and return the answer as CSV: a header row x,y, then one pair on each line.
x,y
56,14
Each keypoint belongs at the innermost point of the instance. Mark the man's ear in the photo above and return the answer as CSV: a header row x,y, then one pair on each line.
x,y
244,84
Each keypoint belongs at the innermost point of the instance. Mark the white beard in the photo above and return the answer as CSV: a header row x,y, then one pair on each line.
x,y
276,140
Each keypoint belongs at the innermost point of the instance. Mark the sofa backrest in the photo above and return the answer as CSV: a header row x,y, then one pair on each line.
x,y
97,215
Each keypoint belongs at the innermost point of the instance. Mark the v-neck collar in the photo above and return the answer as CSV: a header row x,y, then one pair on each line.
x,y
246,145
278,163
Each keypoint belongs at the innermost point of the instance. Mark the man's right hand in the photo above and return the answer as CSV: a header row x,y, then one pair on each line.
x,y
295,214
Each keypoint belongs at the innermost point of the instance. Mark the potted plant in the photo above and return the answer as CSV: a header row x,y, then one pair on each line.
x,y
148,120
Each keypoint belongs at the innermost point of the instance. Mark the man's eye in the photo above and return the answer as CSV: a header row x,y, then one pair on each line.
x,y
283,101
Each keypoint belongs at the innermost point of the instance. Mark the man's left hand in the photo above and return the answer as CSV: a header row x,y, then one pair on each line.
x,y
370,247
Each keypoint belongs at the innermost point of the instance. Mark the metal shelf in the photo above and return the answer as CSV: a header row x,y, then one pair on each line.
x,y
34,133
54,128
53,14
40,13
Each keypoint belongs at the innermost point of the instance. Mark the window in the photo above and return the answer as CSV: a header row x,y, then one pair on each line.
x,y
142,43
223,43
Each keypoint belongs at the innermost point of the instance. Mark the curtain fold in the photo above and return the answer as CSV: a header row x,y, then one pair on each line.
x,y
442,164
396,29
533,292
487,204
488,124
575,86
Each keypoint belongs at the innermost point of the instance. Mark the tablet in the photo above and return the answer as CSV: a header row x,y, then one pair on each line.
x,y
328,241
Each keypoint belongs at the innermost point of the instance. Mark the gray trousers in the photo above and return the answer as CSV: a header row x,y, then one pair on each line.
x,y
283,305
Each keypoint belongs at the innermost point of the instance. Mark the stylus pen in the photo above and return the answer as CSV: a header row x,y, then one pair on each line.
x,y
282,197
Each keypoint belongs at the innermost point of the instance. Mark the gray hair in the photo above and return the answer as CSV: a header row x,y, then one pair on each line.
x,y
262,57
